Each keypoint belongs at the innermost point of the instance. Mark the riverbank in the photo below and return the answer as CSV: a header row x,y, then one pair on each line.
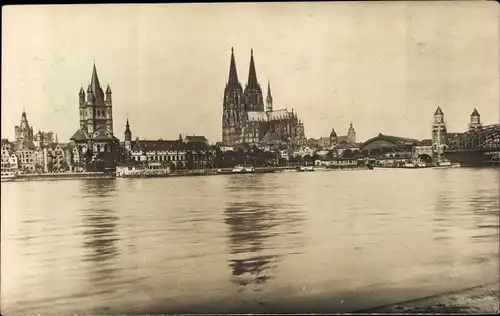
x,y
63,176
478,300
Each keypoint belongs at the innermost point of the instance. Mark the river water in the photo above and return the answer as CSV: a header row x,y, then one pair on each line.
x,y
285,242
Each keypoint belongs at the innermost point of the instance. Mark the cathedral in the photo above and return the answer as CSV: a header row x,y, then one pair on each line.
x,y
244,119
96,119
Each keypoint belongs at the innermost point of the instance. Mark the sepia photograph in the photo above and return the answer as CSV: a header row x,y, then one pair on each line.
x,y
250,158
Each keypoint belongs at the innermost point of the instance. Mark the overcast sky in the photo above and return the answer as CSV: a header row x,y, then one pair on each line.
x,y
383,66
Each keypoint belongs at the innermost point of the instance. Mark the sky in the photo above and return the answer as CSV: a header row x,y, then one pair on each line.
x,y
383,66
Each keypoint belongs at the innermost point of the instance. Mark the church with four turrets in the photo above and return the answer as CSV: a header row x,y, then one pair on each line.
x,y
96,119
244,119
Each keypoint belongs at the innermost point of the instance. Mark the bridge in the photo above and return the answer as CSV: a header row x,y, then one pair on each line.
x,y
476,147
486,138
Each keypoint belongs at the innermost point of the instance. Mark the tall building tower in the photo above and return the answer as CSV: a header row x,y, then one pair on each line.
x,y
23,132
333,138
301,134
351,135
475,120
96,112
128,137
233,108
269,99
252,95
439,132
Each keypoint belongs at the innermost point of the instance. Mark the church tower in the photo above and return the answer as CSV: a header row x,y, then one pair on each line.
x,y
128,137
95,112
269,99
253,93
232,107
351,135
438,129
475,120
333,138
23,132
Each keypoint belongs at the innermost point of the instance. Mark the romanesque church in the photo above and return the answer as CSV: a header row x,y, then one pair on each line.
x,y
95,133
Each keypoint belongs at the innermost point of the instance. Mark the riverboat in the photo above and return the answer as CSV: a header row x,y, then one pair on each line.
x,y
243,169
305,168
150,170
8,176
443,163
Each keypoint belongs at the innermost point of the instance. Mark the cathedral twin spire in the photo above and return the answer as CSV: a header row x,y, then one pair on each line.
x,y
252,74
233,74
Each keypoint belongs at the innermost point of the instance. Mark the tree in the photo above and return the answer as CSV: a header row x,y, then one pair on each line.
x,y
347,153
50,166
64,166
38,167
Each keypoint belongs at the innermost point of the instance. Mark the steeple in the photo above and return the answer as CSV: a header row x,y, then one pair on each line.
x,y
233,74
475,113
128,133
95,80
96,87
438,111
252,75
269,99
82,92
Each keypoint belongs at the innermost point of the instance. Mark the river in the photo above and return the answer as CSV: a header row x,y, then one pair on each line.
x,y
335,241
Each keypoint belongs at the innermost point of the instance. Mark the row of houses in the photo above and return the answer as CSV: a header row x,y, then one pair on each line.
x,y
26,157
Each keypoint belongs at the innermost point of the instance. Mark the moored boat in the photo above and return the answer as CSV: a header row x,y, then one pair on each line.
x,y
305,168
8,176
443,163
243,169
141,171
409,165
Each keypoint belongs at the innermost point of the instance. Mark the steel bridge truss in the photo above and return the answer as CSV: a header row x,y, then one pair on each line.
x,y
484,138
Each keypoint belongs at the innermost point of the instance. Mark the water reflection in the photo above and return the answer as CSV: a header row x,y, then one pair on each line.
x,y
484,204
250,225
99,228
255,230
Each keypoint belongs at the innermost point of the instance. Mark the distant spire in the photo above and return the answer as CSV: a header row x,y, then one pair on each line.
x,y
95,80
82,92
252,75
233,74
269,99
438,111
108,89
475,113
96,87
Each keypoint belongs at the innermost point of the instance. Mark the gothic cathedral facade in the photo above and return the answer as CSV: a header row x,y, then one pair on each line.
x,y
244,119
